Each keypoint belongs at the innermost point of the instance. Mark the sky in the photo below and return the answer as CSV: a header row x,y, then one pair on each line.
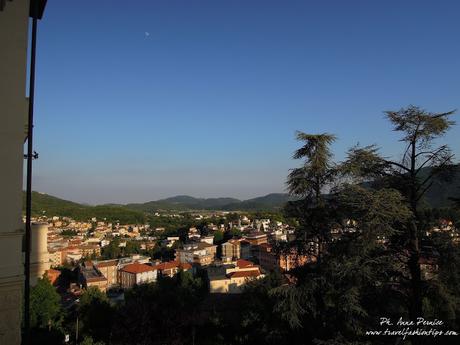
x,y
142,100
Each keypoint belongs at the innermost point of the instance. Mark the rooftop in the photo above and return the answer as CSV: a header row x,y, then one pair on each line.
x,y
138,268
244,274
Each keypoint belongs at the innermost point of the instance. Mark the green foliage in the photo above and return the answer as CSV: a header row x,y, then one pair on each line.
x,y
90,341
95,313
416,123
317,169
45,306
218,237
43,204
165,312
114,251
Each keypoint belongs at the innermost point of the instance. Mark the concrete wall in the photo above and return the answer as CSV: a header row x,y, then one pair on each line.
x,y
13,114
39,256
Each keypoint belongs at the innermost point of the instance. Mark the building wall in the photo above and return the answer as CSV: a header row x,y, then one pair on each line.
x,y
100,284
231,250
110,272
146,277
126,279
219,286
13,114
56,258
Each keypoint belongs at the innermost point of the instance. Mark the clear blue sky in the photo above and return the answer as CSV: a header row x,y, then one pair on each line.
x,y
142,100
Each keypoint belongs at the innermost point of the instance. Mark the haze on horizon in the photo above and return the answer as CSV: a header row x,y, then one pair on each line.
x,y
144,102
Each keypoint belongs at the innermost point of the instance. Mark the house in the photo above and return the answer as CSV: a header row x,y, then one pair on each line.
x,y
109,269
231,278
245,249
231,250
136,274
207,239
56,257
89,276
171,268
53,275
200,253
256,237
88,250
269,260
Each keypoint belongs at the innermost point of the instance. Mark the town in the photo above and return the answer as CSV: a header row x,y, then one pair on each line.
x,y
114,257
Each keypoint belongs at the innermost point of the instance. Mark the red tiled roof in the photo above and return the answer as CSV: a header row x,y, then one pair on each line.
x,y
172,264
244,274
52,275
241,263
137,268
185,266
167,265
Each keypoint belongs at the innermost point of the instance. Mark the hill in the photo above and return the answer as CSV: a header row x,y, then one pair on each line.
x,y
270,202
441,192
44,204
438,196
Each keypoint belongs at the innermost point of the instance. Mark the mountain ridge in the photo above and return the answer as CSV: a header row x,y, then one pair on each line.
x,y
438,196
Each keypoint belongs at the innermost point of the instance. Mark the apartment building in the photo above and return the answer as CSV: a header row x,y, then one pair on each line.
x,y
135,274
231,278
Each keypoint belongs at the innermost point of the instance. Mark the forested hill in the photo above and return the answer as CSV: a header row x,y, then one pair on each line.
x,y
51,206
441,191
270,202
44,204
438,196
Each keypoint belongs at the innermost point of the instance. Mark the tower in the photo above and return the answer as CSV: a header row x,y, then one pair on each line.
x,y
39,256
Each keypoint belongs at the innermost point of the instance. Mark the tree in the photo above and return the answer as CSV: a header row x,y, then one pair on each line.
x,y
45,306
419,129
218,237
336,300
308,182
90,341
95,314
166,312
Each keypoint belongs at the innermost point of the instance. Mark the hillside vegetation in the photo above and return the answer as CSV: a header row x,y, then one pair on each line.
x,y
438,196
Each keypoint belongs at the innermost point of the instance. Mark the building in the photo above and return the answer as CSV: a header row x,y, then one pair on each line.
x,y
245,250
39,257
270,261
14,18
200,253
256,237
90,276
231,278
135,258
231,250
56,257
171,268
136,274
207,239
53,275
88,250
109,269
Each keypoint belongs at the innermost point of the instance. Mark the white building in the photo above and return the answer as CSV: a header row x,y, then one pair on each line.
x,y
136,274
